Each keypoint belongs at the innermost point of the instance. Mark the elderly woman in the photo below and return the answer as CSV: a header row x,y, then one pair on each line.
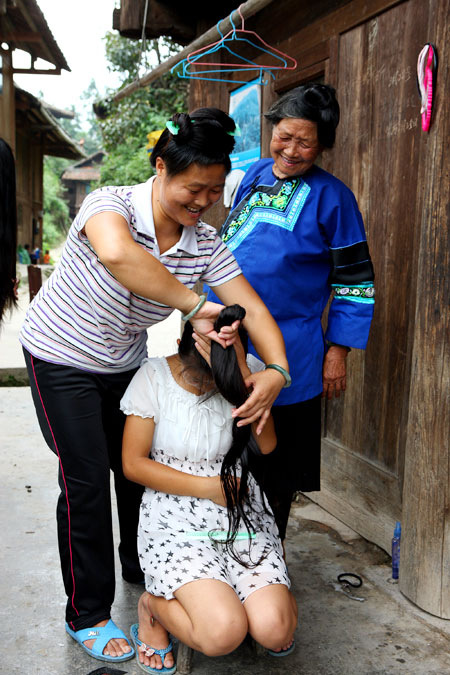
x,y
298,236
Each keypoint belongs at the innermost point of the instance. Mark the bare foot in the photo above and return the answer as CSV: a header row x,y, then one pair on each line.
x,y
284,647
153,634
115,647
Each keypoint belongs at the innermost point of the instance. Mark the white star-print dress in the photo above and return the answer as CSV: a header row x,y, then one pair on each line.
x,y
193,434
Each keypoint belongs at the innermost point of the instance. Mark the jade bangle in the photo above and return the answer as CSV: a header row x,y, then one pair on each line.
x,y
194,311
284,372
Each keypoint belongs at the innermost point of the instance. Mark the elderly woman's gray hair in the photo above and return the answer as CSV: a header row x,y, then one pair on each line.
x,y
314,102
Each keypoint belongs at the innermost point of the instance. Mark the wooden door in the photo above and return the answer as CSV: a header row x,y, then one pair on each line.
x,y
376,155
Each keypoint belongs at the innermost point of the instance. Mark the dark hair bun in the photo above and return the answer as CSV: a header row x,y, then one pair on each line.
x,y
216,124
320,96
203,137
185,131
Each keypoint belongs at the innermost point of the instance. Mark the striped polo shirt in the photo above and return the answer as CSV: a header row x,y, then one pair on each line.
x,y
83,316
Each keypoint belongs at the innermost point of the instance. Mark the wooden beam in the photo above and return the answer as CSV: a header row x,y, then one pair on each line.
x,y
248,9
162,19
37,71
41,127
23,36
32,24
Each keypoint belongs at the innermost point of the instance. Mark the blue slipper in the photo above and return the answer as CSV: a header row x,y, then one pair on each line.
x,y
102,636
283,652
151,650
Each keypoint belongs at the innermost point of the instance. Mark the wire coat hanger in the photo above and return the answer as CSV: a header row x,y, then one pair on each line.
x,y
210,68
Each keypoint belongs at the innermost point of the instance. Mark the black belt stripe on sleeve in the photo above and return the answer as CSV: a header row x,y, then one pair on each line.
x,y
350,254
352,275
352,265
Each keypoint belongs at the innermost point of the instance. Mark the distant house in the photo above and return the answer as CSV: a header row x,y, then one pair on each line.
x,y
78,178
37,134
26,123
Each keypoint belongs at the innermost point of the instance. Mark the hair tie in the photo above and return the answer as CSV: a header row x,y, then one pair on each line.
x,y
236,132
172,127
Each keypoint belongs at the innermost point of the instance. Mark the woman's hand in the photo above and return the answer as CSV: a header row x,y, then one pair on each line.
x,y
265,385
203,324
203,346
334,372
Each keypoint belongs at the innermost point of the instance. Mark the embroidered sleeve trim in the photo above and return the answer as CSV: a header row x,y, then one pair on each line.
x,y
364,293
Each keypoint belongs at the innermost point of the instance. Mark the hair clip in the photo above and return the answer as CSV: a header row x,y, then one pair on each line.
x,y
236,132
172,127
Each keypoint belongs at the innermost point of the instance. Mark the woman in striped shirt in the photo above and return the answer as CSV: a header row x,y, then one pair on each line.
x,y
132,255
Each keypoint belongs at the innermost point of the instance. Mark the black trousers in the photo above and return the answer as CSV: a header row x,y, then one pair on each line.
x,y
82,424
295,462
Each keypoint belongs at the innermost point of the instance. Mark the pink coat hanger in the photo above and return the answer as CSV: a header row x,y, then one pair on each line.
x,y
210,68
269,49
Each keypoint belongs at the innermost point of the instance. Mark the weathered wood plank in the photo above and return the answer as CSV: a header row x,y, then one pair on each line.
x,y
364,496
345,18
379,128
425,554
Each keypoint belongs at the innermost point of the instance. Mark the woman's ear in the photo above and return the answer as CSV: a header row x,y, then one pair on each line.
x,y
160,167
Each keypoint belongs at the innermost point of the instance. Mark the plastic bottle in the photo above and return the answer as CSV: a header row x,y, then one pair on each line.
x,y
396,550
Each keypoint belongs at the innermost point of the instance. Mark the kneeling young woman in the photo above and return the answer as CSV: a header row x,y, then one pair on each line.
x,y
208,543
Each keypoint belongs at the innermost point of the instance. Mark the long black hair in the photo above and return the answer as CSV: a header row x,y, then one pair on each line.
x,y
8,228
228,379
203,137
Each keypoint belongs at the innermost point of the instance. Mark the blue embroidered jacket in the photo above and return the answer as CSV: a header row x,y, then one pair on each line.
x,y
298,240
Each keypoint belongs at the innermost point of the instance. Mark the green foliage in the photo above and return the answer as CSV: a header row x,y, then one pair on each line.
x,y
129,120
128,57
56,211
93,138
89,131
128,164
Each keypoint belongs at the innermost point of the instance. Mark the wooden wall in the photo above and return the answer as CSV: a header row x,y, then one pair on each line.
x,y
7,100
29,176
386,452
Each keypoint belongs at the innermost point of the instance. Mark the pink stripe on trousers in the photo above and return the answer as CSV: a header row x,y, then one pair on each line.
x,y
65,484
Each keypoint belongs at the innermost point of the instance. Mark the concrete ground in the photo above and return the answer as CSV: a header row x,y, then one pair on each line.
x,y
372,630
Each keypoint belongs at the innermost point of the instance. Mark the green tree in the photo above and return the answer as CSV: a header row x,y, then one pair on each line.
x,y
84,125
126,123
92,135
56,211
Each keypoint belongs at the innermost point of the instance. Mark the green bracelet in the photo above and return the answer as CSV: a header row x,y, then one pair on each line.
x,y
284,372
194,311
